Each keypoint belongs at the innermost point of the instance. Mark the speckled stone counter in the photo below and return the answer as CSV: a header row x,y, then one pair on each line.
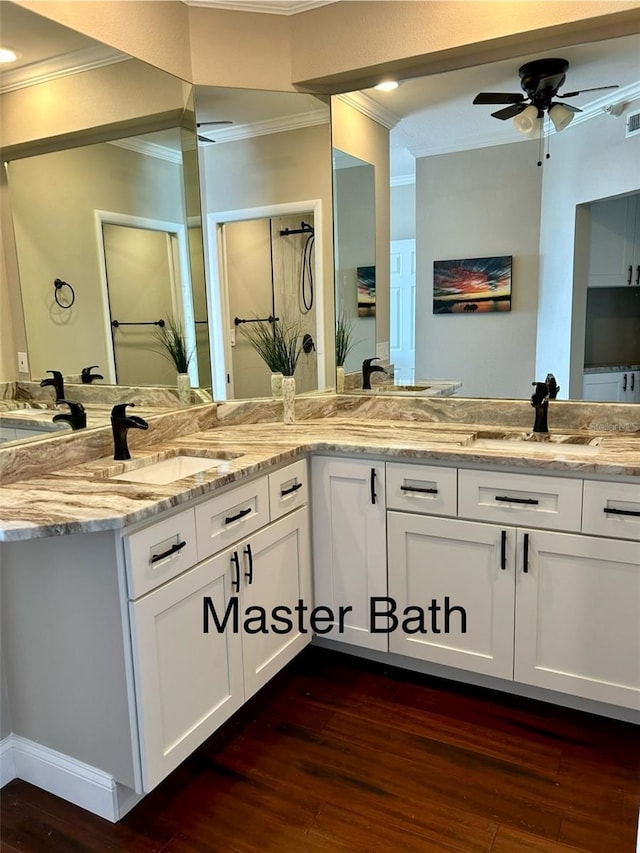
x,y
86,497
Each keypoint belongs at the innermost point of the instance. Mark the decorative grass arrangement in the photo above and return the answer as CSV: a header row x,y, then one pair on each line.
x,y
278,344
172,345
344,340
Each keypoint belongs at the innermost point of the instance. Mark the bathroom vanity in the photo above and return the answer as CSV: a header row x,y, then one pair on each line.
x,y
122,583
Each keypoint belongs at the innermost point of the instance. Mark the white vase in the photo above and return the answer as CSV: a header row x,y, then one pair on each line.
x,y
184,389
276,384
339,380
289,398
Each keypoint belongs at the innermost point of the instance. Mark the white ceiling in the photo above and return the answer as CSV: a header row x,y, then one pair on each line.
x,y
428,115
436,114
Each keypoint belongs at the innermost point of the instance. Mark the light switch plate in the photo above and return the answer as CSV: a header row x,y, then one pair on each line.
x,y
23,363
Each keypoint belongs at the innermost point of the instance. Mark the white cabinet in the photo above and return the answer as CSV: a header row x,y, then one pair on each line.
x,y
187,682
207,635
612,387
577,604
349,544
614,244
503,597
456,564
578,616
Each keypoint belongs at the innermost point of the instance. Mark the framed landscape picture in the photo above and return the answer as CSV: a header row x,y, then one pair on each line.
x,y
366,277
472,285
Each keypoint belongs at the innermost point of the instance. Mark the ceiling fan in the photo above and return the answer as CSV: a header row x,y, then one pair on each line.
x,y
204,123
540,80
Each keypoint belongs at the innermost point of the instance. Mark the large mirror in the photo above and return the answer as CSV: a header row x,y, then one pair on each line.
x,y
265,165
465,186
103,187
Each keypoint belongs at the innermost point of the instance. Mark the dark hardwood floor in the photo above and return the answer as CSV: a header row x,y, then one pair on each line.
x,y
338,754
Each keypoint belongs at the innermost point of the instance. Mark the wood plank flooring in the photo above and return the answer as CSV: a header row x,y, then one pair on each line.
x,y
339,754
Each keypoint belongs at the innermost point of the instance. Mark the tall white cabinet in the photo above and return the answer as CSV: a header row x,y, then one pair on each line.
x,y
614,243
349,544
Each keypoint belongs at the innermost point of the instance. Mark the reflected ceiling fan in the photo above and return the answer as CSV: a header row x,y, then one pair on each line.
x,y
540,81
205,124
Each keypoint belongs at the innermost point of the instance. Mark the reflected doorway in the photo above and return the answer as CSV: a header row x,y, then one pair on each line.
x,y
403,310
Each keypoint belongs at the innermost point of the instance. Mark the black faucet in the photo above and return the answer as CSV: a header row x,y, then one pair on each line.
x,y
121,423
540,402
552,385
76,417
367,369
88,376
56,381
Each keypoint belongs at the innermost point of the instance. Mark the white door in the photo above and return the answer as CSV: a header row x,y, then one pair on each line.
x,y
141,286
275,574
403,309
188,682
578,616
468,569
349,544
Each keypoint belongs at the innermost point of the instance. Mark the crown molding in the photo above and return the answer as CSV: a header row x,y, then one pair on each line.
x,y
60,66
264,128
149,149
265,7
623,95
370,108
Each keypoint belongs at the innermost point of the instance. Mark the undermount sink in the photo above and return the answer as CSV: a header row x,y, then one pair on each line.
x,y
554,444
171,469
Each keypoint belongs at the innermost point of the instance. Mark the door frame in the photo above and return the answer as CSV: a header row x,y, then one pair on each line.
x,y
217,284
181,294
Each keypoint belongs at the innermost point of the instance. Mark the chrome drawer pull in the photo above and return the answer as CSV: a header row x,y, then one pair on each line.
x,y
231,518
419,489
621,511
294,488
517,500
173,550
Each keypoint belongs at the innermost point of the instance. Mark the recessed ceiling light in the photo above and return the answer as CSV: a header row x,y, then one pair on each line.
x,y
7,54
386,86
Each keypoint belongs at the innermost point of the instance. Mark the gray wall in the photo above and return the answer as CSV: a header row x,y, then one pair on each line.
x,y
466,207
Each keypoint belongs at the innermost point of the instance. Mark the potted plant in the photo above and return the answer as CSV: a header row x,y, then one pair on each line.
x,y
172,345
279,345
344,344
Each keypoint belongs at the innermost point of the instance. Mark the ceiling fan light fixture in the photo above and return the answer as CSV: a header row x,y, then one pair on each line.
x,y
527,121
560,115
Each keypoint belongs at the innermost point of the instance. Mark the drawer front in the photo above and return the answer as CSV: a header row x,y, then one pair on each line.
x,y
422,488
288,489
232,515
520,499
612,509
160,552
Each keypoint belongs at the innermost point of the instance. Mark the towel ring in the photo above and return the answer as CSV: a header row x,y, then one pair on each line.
x,y
59,284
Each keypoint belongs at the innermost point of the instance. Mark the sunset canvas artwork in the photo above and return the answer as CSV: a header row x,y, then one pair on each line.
x,y
472,285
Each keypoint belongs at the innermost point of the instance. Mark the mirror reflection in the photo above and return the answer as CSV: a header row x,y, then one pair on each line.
x,y
466,185
109,220
265,164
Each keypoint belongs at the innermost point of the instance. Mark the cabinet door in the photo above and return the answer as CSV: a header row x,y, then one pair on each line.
x,y
578,616
612,243
188,682
275,576
457,564
603,387
349,544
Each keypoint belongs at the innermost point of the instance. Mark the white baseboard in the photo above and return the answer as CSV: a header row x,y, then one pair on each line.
x,y
7,764
68,778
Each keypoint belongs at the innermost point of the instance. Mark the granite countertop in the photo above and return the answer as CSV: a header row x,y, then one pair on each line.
x,y
87,497
610,368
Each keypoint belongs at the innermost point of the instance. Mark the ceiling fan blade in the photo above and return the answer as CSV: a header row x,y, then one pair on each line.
x,y
203,123
596,89
498,98
550,83
569,107
509,112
